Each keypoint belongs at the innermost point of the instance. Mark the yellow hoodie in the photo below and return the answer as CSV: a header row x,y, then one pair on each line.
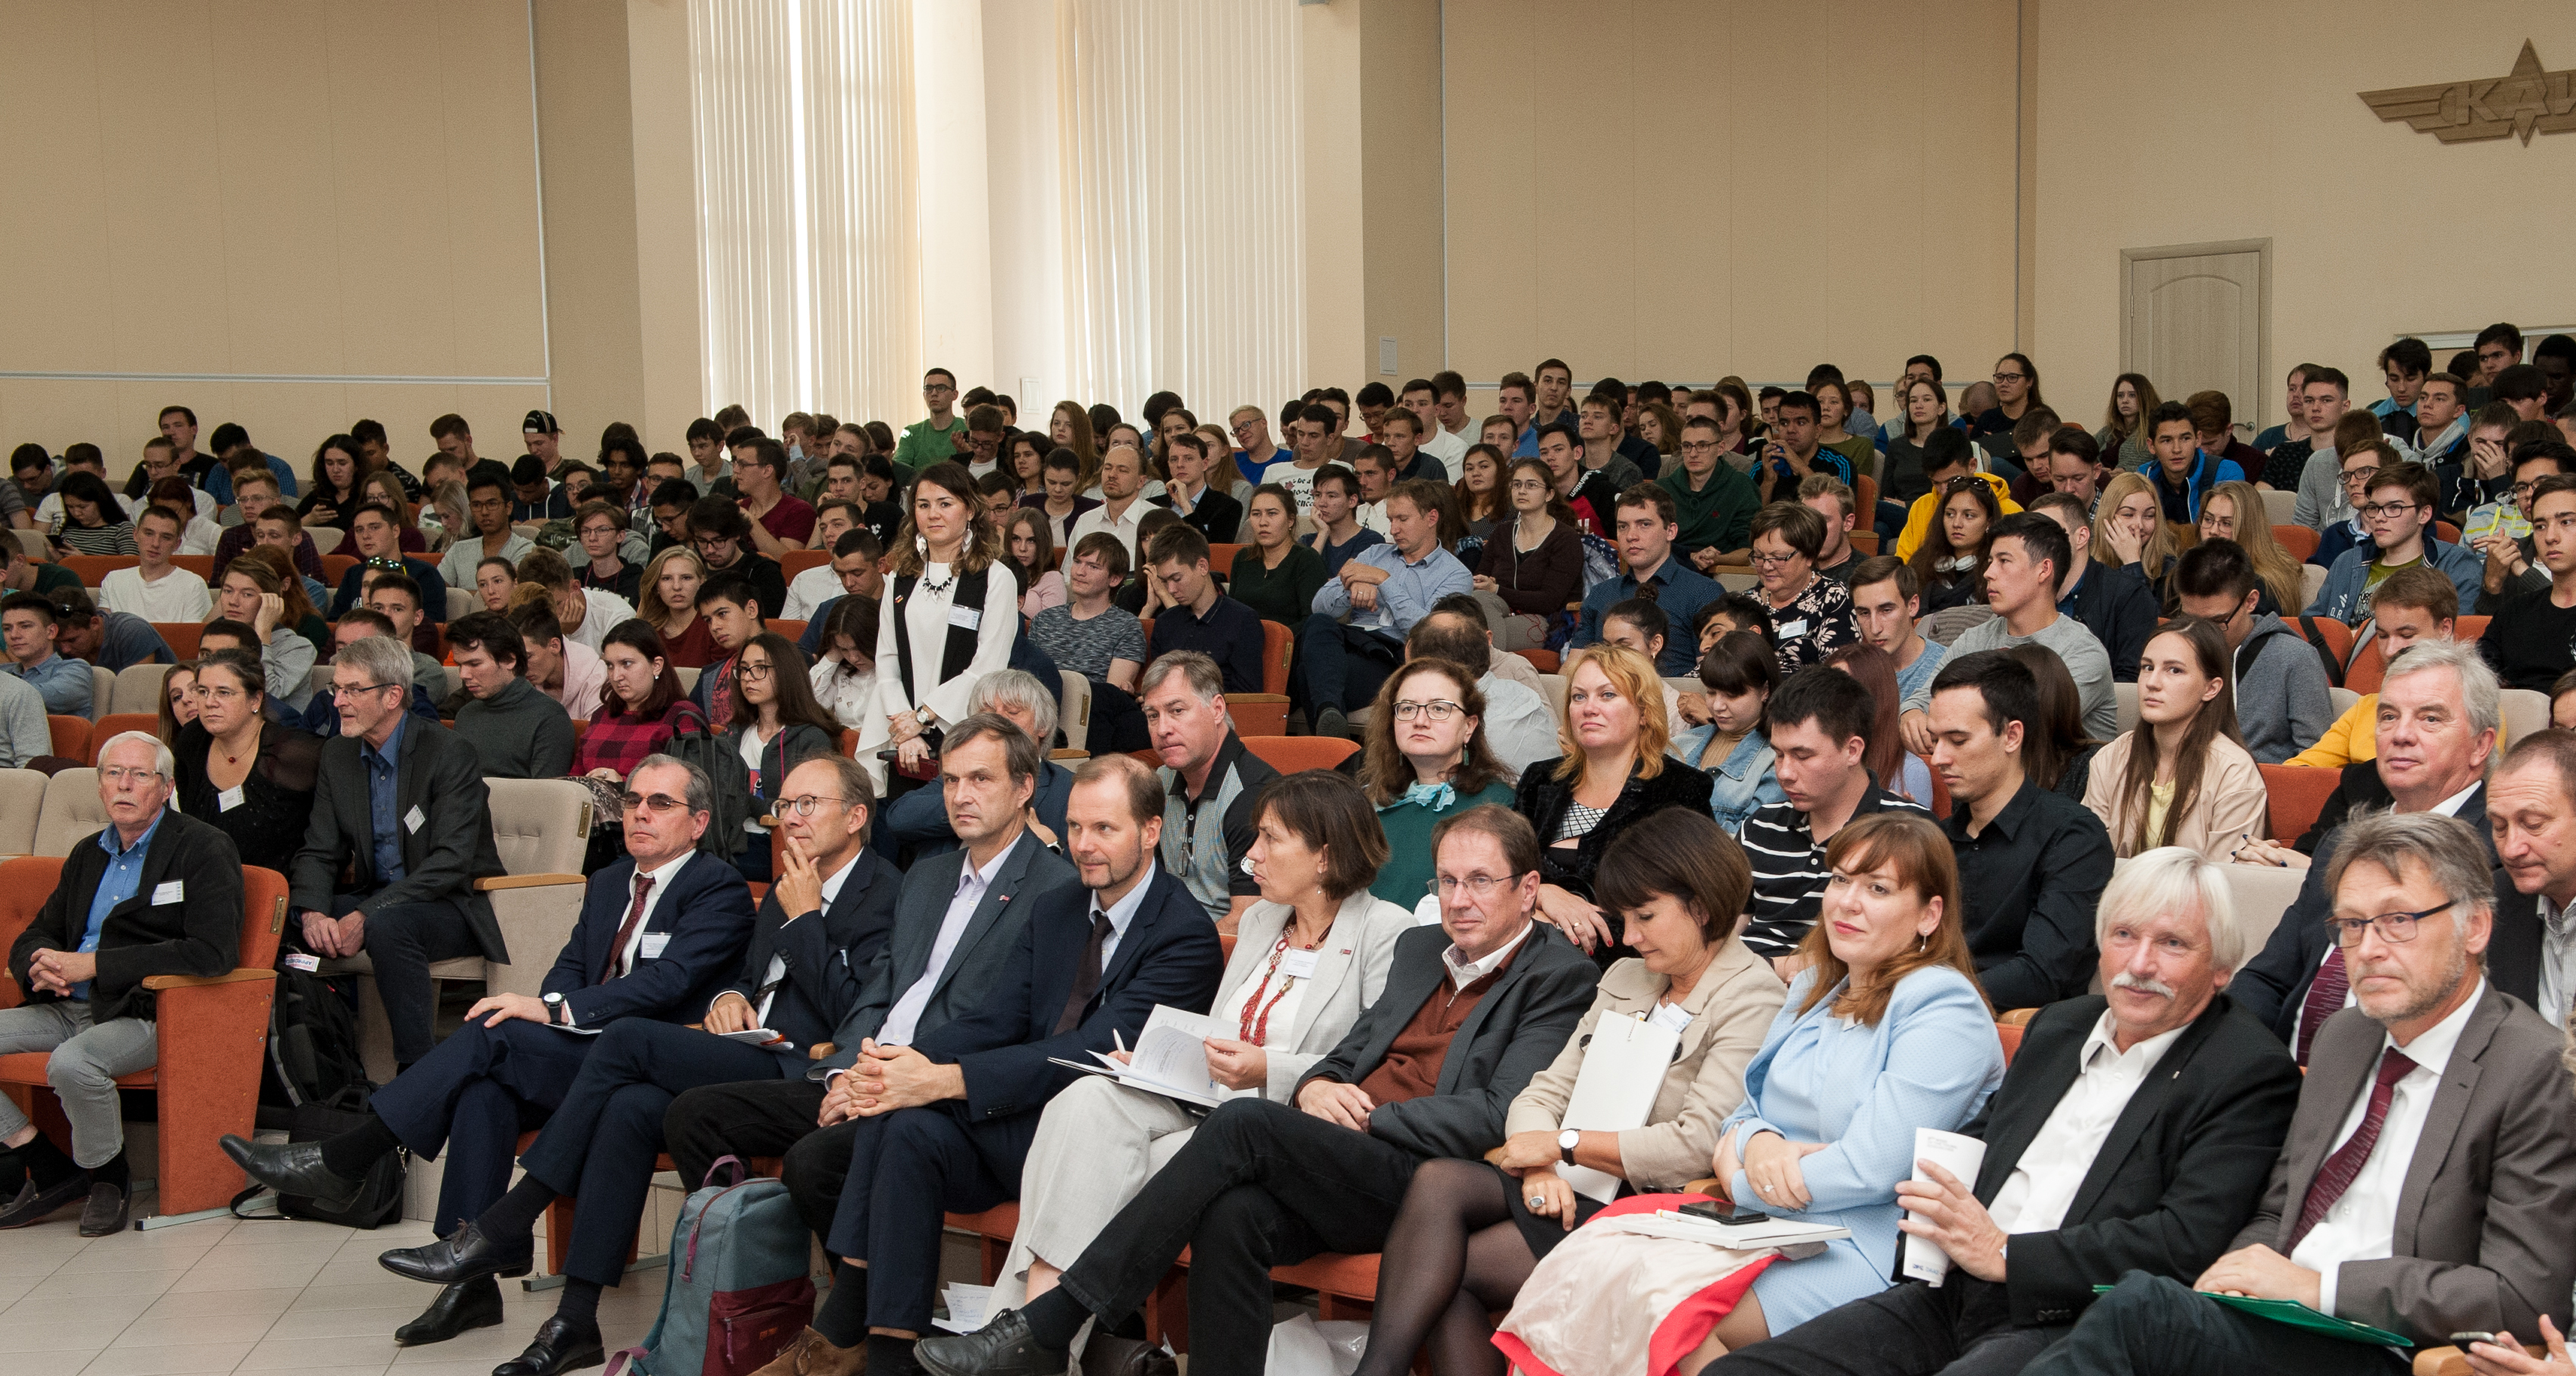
x,y
1918,518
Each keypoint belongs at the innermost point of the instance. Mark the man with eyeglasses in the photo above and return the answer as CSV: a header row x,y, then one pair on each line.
x,y
814,939
1471,1010
2531,639
2353,531
659,933
151,893
2431,1132
721,534
2513,563
402,812
1713,503
2398,505
936,439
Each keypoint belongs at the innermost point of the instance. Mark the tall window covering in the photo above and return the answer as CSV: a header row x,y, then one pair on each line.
x,y
807,234
1184,242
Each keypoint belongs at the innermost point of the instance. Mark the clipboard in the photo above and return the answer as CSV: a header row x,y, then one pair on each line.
x,y
1623,1070
2298,1315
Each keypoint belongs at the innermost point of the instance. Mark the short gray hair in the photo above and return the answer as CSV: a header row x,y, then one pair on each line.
x,y
2446,847
2479,690
1207,682
2172,880
163,763
385,660
1021,689
701,792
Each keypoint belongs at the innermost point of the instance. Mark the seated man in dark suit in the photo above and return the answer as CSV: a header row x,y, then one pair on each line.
x,y
2437,728
915,826
2433,1135
401,829
2134,1132
2530,802
659,930
825,919
152,893
1471,1010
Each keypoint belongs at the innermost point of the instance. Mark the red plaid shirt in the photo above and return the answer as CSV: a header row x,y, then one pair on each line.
x,y
621,742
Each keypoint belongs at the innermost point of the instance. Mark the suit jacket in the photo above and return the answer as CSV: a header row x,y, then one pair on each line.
x,y
1516,1029
198,932
1028,869
1169,954
1350,973
822,959
2481,1238
703,919
435,771
2181,1171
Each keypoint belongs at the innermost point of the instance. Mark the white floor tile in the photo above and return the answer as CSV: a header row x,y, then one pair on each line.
x,y
76,1285
378,1321
214,1274
289,1354
184,1330
183,1360
208,1303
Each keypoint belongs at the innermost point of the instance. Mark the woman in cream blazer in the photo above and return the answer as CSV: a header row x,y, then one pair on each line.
x,y
2182,776
1319,848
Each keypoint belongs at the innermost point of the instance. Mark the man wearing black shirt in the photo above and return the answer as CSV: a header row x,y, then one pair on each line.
x,y
1199,503
1200,616
2531,640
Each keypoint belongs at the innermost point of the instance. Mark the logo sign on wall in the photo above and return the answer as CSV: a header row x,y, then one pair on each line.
x,y
2522,102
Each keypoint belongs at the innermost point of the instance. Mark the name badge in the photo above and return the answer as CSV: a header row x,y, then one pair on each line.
x,y
1791,630
1297,964
1670,1016
654,944
297,960
413,818
176,891
229,799
966,618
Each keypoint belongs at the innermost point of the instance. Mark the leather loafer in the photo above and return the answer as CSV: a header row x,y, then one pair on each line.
x,y
105,1211
292,1168
473,1304
34,1205
559,1347
812,1354
461,1256
1000,1348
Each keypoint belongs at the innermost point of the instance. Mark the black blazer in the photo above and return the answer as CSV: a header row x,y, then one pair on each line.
x,y
435,771
197,932
1218,516
1169,954
1543,798
823,959
1516,1030
692,939
2183,1169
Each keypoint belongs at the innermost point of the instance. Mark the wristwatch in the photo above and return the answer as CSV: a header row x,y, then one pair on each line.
x,y
554,1008
1566,1142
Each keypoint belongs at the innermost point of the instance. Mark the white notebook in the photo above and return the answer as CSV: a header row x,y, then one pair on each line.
x,y
1623,1070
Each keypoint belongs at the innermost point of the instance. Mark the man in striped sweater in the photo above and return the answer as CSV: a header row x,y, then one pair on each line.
x,y
1820,722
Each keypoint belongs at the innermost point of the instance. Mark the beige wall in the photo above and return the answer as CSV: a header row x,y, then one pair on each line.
x,y
1400,187
2267,139
262,193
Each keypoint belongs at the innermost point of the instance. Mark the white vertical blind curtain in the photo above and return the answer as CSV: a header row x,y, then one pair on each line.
x,y
806,176
1183,216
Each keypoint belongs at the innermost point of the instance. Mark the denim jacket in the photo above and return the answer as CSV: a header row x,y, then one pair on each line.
x,y
1743,783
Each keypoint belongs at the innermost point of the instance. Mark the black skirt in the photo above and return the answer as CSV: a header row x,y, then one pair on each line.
x,y
1542,1234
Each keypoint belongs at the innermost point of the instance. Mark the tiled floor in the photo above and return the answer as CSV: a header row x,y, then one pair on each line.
x,y
246,1296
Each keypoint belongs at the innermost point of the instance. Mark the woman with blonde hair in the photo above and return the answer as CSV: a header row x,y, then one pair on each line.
x,y
2274,565
1617,767
2129,528
670,596
947,572
2182,776
2124,428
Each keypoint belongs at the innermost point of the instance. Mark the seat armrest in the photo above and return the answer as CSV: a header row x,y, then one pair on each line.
x,y
244,976
524,881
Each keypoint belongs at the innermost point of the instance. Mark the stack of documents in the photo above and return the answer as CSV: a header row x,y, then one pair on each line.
x,y
1170,1059
1743,1237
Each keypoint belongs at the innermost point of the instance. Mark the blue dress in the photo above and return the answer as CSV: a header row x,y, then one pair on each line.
x,y
1930,1062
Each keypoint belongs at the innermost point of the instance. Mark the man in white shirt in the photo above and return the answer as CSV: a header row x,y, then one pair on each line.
x,y
2416,1190
1122,479
1375,469
487,499
1423,400
2137,1125
156,589
821,583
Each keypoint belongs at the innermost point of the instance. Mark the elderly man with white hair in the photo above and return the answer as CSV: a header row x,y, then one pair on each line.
x,y
916,824
152,893
2133,1132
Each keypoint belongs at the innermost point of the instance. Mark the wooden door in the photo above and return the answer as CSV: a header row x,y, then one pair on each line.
x,y
2198,317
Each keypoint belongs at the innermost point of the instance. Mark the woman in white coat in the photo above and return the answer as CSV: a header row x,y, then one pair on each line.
x,y
951,616
1307,958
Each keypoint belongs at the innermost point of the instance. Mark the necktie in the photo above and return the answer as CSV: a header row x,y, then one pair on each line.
x,y
2324,1000
1086,981
626,931
2337,1174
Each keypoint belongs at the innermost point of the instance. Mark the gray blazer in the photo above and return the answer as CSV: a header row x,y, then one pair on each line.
x,y
1028,869
437,772
2480,1240
1350,971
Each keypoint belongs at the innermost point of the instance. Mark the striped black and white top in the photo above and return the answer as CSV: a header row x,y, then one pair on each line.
x,y
1789,871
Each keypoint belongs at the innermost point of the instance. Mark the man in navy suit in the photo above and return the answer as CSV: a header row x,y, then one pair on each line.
x,y
945,1122
825,921
659,932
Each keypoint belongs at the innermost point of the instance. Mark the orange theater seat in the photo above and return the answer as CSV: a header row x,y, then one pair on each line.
x,y
2333,634
118,723
793,630
796,561
202,565
2300,541
336,567
180,636
1545,661
1290,754
71,737
2296,796
92,567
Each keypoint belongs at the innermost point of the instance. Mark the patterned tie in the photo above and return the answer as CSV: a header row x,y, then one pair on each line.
x,y
626,932
2337,1174
1086,981
2325,999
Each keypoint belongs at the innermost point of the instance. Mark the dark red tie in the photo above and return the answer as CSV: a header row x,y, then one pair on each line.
x,y
2337,1175
1086,981
2325,999
626,932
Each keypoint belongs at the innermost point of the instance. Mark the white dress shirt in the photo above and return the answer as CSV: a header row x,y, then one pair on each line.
x,y
1372,516
1121,913
623,960
1463,972
2052,1168
1122,525
809,590
2364,1219
904,1019
776,974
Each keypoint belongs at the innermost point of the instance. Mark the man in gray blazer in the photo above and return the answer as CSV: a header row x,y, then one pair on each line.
x,y
956,921
401,829
2421,1186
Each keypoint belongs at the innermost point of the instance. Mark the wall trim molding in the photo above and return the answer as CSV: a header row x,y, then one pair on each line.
x,y
395,379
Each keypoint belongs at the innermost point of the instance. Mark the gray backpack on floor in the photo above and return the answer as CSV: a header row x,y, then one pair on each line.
x,y
737,1291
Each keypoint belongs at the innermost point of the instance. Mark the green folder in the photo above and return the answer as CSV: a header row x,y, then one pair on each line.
x,y
2298,1315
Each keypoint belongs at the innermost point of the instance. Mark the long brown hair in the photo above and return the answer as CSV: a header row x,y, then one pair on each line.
x,y
1557,506
1488,505
638,635
649,606
790,685
1385,773
1936,539
274,571
977,552
2147,403
2209,721
2275,565
1084,444
1884,752
1920,853
2050,744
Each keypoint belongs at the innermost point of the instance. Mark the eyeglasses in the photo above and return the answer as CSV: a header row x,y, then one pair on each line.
x,y
2012,377
122,777
1481,885
753,671
1768,561
805,805
1438,709
345,691
2392,926
659,804
2378,510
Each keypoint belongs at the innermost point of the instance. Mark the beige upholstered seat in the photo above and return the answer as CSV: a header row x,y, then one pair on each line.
x,y
102,692
2524,712
138,688
2262,893
71,811
688,680
325,538
2127,693
22,805
462,602
1073,714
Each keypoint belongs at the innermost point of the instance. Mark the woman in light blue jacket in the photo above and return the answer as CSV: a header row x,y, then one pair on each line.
x,y
1740,671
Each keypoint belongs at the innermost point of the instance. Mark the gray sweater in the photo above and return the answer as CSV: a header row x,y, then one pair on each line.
x,y
520,733
2283,703
2085,659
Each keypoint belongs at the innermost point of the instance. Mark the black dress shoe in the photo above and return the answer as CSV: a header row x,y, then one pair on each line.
x,y
34,1205
1000,1348
462,1255
292,1168
559,1347
473,1304
105,1211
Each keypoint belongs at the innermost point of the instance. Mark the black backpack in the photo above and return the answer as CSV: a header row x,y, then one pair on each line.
x,y
694,742
314,1069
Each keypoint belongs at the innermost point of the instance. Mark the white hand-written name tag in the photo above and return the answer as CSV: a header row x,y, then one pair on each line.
x,y
413,818
176,891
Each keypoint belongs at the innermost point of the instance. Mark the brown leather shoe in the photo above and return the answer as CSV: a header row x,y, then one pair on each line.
x,y
813,1355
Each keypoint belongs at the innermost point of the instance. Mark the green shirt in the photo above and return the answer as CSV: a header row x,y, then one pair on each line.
x,y
1718,516
924,444
55,578
1402,880
1285,594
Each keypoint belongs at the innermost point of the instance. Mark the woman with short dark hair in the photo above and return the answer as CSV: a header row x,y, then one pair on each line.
x,y
242,770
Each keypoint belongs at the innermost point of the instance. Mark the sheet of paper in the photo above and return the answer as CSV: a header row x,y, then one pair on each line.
x,y
755,1036
966,1307
1960,1156
1172,1051
1623,1070
1771,1232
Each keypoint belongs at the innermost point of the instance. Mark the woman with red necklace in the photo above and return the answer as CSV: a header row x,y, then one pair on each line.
x,y
249,775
